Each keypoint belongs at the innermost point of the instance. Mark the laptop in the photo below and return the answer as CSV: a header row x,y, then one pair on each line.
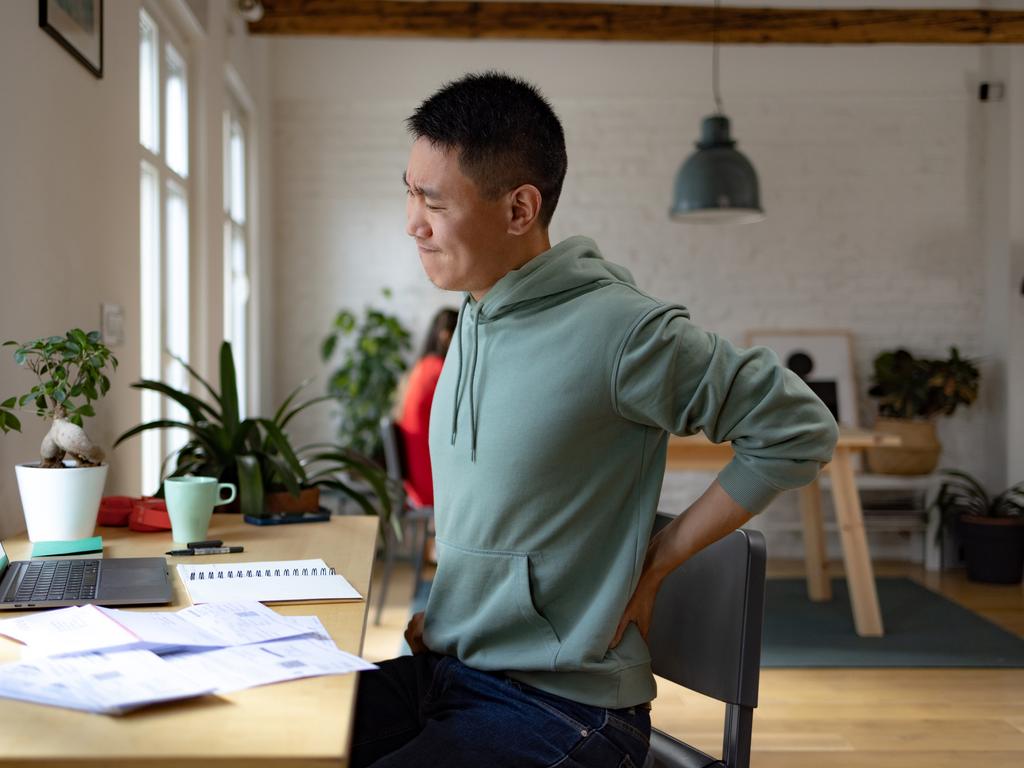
x,y
56,583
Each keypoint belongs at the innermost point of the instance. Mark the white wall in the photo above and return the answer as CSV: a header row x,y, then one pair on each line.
x,y
69,204
872,163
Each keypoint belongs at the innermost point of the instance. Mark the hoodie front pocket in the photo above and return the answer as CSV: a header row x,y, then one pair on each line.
x,y
481,610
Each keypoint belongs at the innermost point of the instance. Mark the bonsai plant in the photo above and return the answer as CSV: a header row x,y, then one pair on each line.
x,y
372,356
256,454
60,494
992,529
911,392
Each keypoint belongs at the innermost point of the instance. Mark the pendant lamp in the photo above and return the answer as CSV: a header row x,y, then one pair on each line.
x,y
716,184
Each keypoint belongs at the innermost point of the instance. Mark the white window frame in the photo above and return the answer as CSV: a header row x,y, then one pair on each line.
x,y
238,107
237,94
157,445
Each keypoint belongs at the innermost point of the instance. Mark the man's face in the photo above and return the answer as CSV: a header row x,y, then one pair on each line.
x,y
461,236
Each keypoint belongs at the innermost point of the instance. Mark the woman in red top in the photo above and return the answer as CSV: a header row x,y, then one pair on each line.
x,y
414,423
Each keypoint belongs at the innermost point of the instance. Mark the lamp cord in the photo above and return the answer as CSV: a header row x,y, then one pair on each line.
x,y
714,59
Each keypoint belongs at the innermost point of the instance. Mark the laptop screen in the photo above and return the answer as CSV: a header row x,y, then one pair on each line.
x,y
3,560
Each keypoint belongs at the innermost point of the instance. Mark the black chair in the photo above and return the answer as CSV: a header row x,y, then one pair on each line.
x,y
706,636
417,518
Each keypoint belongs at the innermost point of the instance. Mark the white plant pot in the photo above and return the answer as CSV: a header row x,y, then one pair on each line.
x,y
60,504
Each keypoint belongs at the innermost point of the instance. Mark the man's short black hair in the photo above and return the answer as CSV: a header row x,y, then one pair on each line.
x,y
505,131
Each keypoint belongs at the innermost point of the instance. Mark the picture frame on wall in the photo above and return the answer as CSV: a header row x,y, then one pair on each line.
x,y
824,360
78,26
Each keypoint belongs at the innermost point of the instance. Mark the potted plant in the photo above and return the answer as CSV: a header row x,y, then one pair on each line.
x,y
372,356
60,493
256,454
991,529
911,392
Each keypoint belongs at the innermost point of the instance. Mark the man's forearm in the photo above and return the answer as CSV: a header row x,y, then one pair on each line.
x,y
708,519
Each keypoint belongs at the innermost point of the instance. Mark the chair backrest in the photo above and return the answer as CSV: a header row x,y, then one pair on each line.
x,y
392,449
709,617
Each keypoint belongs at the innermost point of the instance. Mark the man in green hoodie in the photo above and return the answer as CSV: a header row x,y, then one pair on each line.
x,y
548,437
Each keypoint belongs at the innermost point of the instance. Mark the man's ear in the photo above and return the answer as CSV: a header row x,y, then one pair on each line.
x,y
524,209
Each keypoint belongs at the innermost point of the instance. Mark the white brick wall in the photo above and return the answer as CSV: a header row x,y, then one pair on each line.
x,y
868,157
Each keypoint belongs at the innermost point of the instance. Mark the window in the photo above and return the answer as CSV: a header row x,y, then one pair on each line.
x,y
236,245
149,97
165,231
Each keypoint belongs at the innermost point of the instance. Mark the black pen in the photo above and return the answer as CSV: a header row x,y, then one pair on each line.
x,y
205,551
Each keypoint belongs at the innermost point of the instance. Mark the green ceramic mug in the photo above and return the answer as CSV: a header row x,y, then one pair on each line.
x,y
190,503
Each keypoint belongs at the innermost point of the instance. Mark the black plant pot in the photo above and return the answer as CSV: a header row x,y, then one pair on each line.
x,y
993,548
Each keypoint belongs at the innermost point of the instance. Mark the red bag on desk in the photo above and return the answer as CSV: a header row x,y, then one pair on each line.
x,y
115,510
146,514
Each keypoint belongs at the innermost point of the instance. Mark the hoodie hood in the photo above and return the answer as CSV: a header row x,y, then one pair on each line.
x,y
569,268
551,277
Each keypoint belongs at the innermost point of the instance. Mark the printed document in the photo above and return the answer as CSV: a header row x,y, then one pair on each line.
x,y
91,628
246,666
103,660
98,682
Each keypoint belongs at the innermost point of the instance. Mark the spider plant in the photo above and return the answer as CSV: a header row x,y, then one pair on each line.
x,y
256,453
961,494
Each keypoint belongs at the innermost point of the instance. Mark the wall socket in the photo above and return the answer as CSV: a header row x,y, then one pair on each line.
x,y
991,91
112,324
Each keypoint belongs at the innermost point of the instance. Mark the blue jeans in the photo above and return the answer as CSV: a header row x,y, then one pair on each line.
x,y
433,711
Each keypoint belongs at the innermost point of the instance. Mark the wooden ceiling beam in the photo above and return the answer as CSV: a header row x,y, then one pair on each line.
x,y
661,23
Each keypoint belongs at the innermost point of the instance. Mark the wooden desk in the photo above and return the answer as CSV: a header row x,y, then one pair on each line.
x,y
698,453
298,723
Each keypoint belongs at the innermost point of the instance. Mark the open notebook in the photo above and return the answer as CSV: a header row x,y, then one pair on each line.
x,y
273,581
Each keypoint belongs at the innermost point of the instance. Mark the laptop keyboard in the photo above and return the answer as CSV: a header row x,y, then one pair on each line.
x,y
59,580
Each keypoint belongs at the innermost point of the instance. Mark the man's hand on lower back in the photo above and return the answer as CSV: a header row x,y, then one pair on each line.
x,y
639,609
414,634
714,515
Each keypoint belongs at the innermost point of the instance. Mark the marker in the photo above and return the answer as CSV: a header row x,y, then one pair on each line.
x,y
205,544
205,551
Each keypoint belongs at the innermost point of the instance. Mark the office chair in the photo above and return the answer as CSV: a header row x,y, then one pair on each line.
x,y
706,636
408,516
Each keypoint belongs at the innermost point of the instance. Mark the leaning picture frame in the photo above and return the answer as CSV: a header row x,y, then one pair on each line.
x,y
78,26
824,360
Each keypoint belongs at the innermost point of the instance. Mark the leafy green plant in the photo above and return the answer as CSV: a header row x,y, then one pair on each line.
x,y
256,453
961,494
372,359
908,387
70,376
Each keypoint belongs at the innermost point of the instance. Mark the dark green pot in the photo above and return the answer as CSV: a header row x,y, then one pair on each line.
x,y
993,548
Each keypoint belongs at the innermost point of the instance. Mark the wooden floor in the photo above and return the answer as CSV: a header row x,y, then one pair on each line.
x,y
843,718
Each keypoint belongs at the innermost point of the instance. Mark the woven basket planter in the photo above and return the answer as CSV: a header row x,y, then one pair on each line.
x,y
918,453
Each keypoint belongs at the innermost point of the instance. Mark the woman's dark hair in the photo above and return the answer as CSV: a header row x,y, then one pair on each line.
x,y
505,132
435,343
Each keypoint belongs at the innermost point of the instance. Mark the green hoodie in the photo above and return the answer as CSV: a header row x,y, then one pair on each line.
x,y
548,435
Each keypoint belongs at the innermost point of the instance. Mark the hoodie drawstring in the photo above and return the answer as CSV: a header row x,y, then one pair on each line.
x,y
472,379
458,378
472,382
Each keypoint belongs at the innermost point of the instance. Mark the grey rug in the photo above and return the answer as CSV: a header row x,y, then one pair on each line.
x,y
922,629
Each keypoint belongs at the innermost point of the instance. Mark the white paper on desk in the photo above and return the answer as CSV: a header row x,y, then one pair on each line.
x,y
67,630
264,581
106,683
309,625
92,628
247,666
217,625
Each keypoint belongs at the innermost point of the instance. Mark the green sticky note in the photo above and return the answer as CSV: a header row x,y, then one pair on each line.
x,y
77,547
